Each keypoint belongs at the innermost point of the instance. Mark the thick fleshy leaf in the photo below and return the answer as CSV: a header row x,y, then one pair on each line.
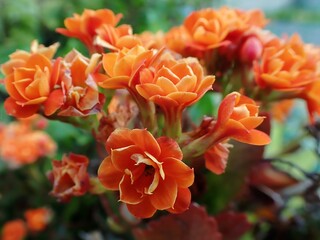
x,y
165,194
179,171
142,210
108,175
193,224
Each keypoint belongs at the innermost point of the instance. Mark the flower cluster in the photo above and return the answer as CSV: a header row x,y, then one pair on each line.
x,y
133,93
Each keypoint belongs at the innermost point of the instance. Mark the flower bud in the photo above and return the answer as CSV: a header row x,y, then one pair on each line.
x,y
251,50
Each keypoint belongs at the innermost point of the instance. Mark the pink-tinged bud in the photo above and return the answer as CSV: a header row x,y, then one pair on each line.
x,y
251,50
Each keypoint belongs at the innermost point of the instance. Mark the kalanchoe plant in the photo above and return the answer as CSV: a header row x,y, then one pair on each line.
x,y
133,93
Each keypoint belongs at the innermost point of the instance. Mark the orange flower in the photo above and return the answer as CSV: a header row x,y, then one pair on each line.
x,y
37,219
82,97
69,176
122,67
177,38
209,28
116,38
148,172
174,86
20,144
216,157
311,95
237,119
14,230
152,40
30,79
84,26
280,110
177,84
287,65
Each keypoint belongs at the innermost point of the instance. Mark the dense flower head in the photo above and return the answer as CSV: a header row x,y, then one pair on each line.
x,y
238,116
14,230
37,219
80,95
30,79
121,68
175,83
69,176
20,144
209,27
84,26
287,64
148,172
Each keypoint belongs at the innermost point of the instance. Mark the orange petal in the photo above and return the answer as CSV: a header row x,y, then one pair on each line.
x,y
166,85
226,108
182,202
145,141
119,138
13,109
108,61
182,173
108,175
143,209
148,90
169,148
165,194
187,84
115,82
129,194
121,157
183,97
254,137
251,122
216,158
54,102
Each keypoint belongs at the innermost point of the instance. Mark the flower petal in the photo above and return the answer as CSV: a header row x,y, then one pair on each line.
x,y
182,173
108,175
165,195
128,192
182,202
143,209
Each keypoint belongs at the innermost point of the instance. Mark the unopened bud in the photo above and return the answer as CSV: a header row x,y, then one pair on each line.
x,y
251,50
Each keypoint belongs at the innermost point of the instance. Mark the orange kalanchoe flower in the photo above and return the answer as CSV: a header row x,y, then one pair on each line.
x,y
37,219
287,65
81,93
20,144
122,67
84,26
14,230
209,27
148,172
238,118
30,79
174,85
69,177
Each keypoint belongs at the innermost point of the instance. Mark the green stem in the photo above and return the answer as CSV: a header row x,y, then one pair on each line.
x,y
172,124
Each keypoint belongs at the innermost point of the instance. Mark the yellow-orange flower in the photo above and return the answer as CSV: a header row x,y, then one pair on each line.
x,y
84,26
37,219
30,79
69,176
14,230
148,172
81,95
287,65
